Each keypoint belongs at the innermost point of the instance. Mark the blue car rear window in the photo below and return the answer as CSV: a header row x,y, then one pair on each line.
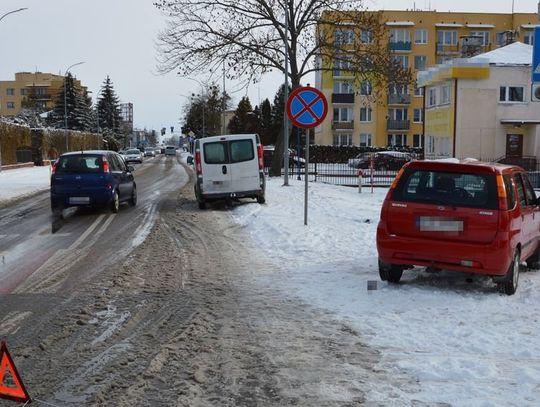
x,y
79,164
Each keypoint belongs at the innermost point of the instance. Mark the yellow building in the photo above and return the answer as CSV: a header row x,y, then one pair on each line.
x,y
418,39
43,87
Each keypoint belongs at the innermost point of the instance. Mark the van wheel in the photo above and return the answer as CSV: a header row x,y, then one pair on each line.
x,y
390,272
133,199
509,286
115,203
261,199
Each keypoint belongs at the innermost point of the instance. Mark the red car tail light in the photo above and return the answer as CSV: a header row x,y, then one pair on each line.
x,y
54,168
501,192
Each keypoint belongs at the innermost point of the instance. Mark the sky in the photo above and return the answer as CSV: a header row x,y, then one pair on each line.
x,y
447,338
117,38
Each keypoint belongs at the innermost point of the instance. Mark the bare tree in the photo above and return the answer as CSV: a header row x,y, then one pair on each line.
x,y
246,38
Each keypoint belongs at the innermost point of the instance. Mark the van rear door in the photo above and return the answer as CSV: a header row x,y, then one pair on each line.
x,y
444,205
244,167
216,174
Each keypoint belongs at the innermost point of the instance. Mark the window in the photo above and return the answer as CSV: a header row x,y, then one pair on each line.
x,y
10,105
443,59
482,34
510,197
398,90
10,92
216,153
418,140
420,62
445,94
398,114
418,115
432,97
365,114
242,150
397,139
343,87
342,114
365,140
418,91
400,35
446,37
521,191
365,88
528,37
24,92
343,139
341,63
511,94
420,36
343,37
366,37
529,190
403,60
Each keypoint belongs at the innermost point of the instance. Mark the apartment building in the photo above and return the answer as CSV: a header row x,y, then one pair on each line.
x,y
42,87
418,39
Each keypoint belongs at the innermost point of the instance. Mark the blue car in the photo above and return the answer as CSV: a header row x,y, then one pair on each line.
x,y
92,178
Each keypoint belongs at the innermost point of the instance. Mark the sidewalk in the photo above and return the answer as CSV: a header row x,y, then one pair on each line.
x,y
23,181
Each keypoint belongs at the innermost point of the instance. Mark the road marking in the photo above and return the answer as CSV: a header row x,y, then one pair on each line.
x,y
10,236
86,233
10,323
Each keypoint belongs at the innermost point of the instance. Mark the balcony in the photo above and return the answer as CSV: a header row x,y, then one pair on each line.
x,y
401,46
342,125
399,99
342,97
447,49
342,73
398,124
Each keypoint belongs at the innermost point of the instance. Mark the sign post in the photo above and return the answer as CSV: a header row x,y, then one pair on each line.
x,y
307,108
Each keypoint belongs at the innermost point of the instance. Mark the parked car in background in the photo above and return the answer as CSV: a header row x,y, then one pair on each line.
x,y
133,155
92,178
382,160
294,159
466,216
170,150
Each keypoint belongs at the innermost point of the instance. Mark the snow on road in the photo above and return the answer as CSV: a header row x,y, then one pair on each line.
x,y
464,342
23,181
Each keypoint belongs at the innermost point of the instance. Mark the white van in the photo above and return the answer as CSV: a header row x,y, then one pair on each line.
x,y
229,167
170,150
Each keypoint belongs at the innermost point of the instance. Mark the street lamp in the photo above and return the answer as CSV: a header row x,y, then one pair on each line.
x,y
65,101
14,11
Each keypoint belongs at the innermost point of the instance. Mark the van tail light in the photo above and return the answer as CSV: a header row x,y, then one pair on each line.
x,y
105,165
260,154
501,192
198,164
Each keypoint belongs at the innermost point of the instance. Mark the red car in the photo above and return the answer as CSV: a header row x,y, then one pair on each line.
x,y
465,216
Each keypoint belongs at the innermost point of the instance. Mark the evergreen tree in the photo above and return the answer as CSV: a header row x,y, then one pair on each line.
x,y
244,119
73,107
205,109
268,136
108,108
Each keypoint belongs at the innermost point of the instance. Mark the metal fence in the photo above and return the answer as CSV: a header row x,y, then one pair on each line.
x,y
343,174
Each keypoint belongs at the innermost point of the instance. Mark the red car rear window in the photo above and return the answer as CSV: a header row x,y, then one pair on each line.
x,y
447,188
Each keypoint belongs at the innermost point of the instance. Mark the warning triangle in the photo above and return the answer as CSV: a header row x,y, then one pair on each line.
x,y
11,385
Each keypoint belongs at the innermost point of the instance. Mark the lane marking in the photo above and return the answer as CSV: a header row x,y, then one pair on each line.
x,y
86,233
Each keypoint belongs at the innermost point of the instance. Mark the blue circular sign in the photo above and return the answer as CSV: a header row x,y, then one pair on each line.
x,y
307,107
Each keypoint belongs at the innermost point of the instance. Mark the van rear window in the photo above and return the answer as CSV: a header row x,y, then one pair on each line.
x,y
242,150
447,188
216,153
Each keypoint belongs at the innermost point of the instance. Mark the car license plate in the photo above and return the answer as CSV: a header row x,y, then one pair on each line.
x,y
439,224
78,200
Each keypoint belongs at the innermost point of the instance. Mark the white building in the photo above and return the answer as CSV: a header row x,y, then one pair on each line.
x,y
481,107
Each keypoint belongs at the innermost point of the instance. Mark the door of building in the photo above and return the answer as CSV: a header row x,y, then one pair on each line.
x,y
514,145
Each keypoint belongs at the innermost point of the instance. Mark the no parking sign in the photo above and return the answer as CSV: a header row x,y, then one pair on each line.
x,y
307,107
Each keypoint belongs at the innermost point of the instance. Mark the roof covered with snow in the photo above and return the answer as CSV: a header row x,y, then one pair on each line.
x,y
516,53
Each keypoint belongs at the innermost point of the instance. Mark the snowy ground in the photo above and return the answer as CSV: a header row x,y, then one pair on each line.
x,y
463,342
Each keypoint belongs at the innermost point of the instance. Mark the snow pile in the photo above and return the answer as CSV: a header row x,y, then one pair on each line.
x,y
23,181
